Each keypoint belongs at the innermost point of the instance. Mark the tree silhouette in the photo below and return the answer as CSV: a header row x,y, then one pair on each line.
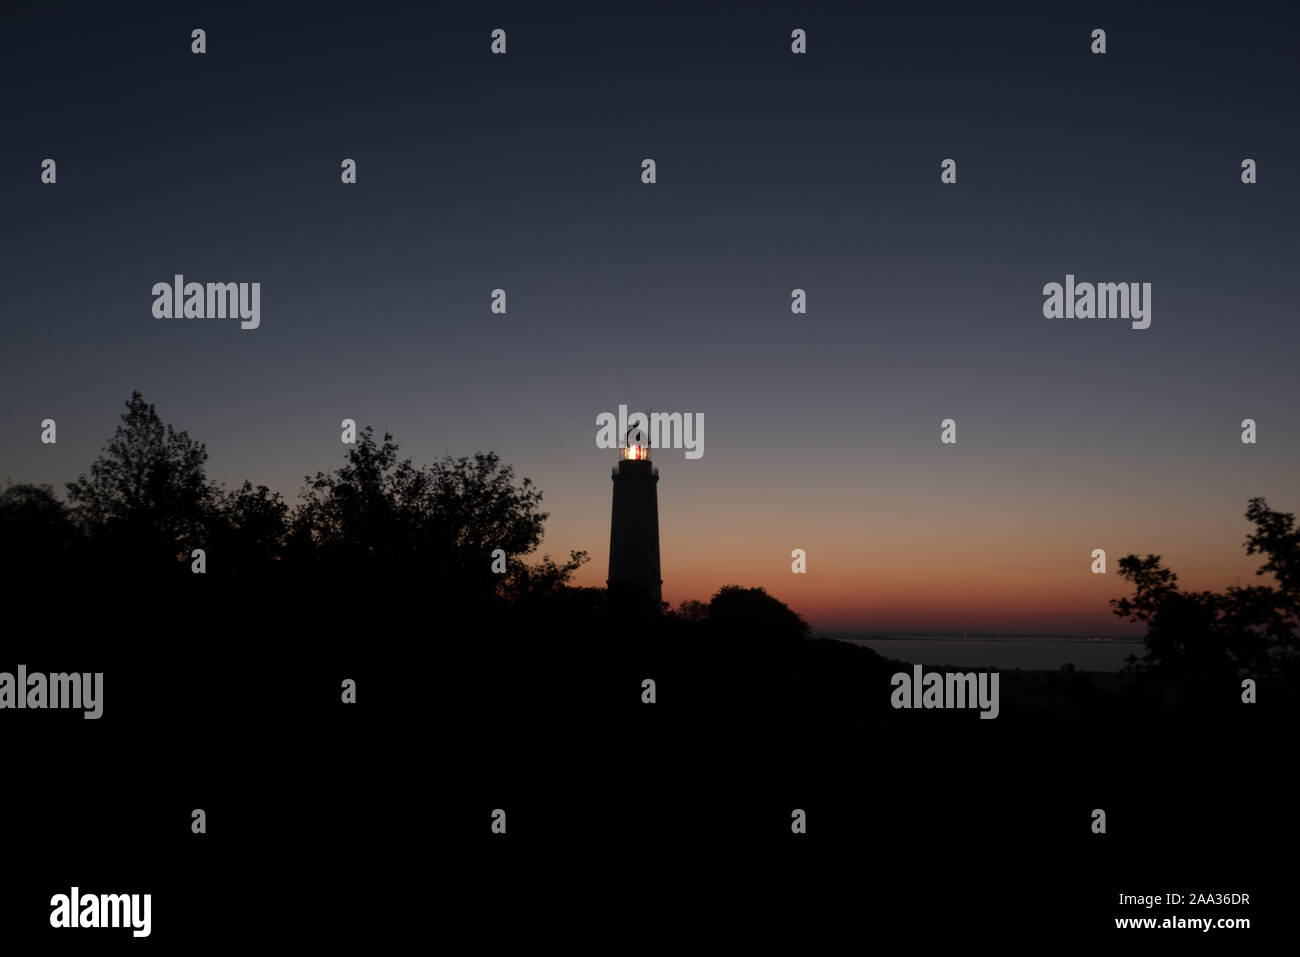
x,y
1246,631
247,531
36,530
146,504
146,496
378,514
691,609
526,583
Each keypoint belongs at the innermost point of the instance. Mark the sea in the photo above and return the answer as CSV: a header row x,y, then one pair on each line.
x,y
1038,653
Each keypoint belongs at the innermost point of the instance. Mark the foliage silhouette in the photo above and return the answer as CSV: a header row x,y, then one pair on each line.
x,y
751,612
146,498
1194,638
36,529
692,609
380,515
247,531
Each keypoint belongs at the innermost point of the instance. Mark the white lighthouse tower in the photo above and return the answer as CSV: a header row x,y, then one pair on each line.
x,y
634,579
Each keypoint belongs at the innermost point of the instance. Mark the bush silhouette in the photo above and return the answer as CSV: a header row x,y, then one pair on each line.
x,y
753,613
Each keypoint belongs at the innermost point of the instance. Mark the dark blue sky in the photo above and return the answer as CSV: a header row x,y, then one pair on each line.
x,y
775,171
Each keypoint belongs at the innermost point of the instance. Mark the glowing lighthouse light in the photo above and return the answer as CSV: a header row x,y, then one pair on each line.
x,y
635,453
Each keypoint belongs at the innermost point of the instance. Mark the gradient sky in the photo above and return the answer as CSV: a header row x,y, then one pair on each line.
x,y
775,171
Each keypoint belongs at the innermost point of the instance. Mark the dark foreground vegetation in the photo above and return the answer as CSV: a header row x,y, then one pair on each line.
x,y
478,690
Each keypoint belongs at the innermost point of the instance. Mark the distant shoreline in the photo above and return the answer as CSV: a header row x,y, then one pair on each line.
x,y
1047,653
969,636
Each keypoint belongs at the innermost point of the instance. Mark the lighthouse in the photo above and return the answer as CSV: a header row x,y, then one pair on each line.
x,y
634,581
